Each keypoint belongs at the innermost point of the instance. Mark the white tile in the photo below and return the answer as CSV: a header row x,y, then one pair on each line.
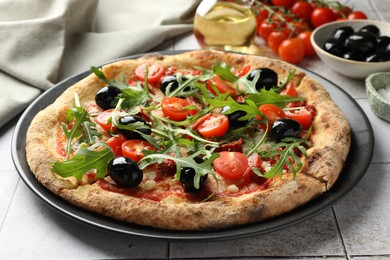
x,y
381,133
9,181
186,42
6,133
33,230
363,215
314,237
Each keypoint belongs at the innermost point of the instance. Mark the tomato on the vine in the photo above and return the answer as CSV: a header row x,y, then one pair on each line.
x,y
231,165
155,72
276,38
302,10
134,148
292,50
212,125
283,3
175,108
321,15
305,37
357,15
266,28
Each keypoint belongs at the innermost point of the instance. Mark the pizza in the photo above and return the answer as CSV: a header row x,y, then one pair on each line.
x,y
200,140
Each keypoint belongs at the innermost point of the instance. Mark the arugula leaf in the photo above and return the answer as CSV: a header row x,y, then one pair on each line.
x,y
224,73
251,109
285,151
271,97
86,159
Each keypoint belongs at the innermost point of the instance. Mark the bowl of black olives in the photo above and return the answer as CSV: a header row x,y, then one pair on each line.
x,y
354,48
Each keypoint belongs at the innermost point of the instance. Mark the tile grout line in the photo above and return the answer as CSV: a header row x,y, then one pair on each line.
x,y
9,205
375,9
341,235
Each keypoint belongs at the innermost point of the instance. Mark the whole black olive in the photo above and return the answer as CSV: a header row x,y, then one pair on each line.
x,y
268,78
234,118
370,29
384,43
130,134
105,96
379,56
342,33
166,81
353,55
187,175
124,172
362,42
285,127
334,47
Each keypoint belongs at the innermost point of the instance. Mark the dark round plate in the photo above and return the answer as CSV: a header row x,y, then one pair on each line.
x,y
358,160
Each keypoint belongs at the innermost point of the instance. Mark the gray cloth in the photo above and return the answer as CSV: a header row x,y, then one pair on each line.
x,y
45,41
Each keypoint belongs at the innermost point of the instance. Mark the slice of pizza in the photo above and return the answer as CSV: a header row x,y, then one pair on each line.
x,y
195,141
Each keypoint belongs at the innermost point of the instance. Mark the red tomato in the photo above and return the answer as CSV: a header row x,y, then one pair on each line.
x,y
305,37
341,12
175,108
292,50
213,125
302,10
231,165
357,15
155,72
321,15
276,38
254,161
272,112
221,85
242,71
115,143
262,15
289,90
266,28
300,27
103,118
302,116
133,149
283,3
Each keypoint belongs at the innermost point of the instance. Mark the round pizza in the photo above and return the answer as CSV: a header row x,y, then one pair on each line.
x,y
200,140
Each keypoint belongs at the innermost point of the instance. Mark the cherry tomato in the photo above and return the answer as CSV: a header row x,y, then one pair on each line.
x,y
266,28
276,38
321,15
155,72
289,90
254,161
221,85
302,10
175,108
292,50
133,149
302,116
341,12
300,27
231,165
242,71
272,112
283,3
104,117
305,37
357,15
262,15
213,125
115,143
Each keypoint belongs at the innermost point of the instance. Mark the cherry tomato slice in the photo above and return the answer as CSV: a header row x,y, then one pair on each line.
x,y
272,112
289,90
242,71
213,125
133,149
115,143
302,116
231,165
221,85
103,119
175,108
155,72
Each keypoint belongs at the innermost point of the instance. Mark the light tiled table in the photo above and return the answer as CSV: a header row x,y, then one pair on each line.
x,y
357,227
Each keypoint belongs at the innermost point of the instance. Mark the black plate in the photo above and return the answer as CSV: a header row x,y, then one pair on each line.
x,y
358,161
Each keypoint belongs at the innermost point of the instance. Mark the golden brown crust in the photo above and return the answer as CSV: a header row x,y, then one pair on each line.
x,y
321,168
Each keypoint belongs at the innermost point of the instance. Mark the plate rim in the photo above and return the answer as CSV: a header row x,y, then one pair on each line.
x,y
82,216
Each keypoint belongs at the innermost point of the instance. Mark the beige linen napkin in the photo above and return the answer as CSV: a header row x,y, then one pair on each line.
x,y
45,41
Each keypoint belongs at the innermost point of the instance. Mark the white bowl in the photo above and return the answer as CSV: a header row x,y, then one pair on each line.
x,y
349,68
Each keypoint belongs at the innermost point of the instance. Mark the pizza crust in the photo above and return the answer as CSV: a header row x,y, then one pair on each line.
x,y
321,168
